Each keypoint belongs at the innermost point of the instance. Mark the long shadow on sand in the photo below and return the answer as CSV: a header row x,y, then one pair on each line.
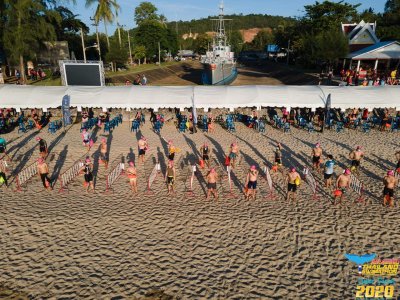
x,y
62,156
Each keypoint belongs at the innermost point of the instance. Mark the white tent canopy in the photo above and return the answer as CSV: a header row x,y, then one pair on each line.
x,y
135,97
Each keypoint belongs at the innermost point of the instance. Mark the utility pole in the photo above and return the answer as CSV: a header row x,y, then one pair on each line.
x,y
83,46
288,52
159,54
97,36
129,45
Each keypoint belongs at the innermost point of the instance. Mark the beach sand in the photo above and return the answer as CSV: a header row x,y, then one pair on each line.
x,y
119,246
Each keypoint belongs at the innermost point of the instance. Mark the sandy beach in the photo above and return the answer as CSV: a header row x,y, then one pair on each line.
x,y
120,246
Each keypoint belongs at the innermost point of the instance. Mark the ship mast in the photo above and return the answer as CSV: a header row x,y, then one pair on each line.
x,y
220,37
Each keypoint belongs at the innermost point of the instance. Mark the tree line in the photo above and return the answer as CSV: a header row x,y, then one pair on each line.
x,y
25,26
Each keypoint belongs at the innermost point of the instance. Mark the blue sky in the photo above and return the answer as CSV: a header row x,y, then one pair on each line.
x,y
191,9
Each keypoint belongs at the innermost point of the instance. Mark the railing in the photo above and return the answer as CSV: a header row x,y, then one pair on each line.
x,y
114,175
26,174
66,177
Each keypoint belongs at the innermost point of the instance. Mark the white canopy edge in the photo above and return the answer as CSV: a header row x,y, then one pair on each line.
x,y
231,97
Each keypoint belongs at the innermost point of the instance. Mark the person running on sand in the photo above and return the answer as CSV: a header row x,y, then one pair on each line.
x,y
205,152
233,154
143,146
131,173
316,156
43,172
390,182
103,152
342,183
356,156
329,165
292,179
3,148
42,147
86,139
88,175
212,178
3,176
251,183
170,174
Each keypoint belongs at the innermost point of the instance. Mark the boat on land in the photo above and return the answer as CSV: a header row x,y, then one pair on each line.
x,y
219,64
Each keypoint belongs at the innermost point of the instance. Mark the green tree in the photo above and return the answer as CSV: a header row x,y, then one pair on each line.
x,y
139,52
202,43
327,15
263,38
116,54
106,11
149,34
20,39
146,11
236,41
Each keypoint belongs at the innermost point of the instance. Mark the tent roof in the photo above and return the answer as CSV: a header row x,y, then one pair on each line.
x,y
381,50
134,97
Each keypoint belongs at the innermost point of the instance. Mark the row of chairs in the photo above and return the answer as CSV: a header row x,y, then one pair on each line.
x,y
24,127
108,126
89,124
54,126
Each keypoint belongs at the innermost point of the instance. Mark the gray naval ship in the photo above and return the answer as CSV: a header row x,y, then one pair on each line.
x,y
219,64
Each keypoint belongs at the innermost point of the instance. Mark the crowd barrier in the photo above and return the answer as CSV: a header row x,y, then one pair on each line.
x,y
268,178
66,177
357,186
114,175
397,176
311,182
26,174
192,170
153,175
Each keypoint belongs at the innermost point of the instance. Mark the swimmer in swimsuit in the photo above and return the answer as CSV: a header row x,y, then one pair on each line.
x,y
131,173
212,178
291,178
143,146
205,152
170,177
390,182
316,157
88,175
233,153
251,183
42,147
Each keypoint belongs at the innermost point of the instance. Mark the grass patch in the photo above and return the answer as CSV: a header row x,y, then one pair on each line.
x,y
140,69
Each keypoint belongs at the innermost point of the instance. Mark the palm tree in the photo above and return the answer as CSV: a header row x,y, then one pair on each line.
x,y
104,12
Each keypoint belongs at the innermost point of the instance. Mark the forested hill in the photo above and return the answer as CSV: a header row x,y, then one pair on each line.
x,y
238,22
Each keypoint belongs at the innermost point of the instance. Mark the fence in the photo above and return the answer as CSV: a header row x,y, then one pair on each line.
x,y
357,186
26,174
268,178
114,175
397,176
66,177
152,177
311,182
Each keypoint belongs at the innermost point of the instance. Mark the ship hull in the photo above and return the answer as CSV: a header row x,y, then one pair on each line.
x,y
219,74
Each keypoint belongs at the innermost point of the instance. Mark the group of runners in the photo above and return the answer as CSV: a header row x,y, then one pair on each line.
x,y
292,177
